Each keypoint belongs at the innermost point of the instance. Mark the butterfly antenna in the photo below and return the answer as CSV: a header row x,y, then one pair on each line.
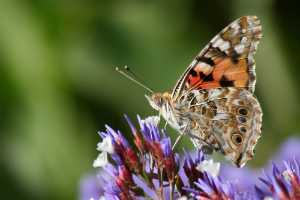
x,y
127,68
144,86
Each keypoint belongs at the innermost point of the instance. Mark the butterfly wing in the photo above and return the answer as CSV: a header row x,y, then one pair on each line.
x,y
214,96
226,61
226,120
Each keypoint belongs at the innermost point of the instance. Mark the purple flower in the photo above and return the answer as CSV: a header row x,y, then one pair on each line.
x,y
90,187
163,168
155,168
212,187
112,191
284,152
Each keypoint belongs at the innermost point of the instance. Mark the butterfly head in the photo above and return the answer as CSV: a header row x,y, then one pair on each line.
x,y
157,100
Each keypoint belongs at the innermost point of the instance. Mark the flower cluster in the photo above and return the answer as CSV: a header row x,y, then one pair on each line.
x,y
283,186
157,166
155,152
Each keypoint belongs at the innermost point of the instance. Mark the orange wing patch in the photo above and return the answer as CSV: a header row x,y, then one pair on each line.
x,y
227,74
226,61
198,73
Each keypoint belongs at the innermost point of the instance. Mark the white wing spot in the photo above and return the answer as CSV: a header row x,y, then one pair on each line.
x,y
224,46
234,25
236,28
239,48
243,30
218,43
205,68
243,40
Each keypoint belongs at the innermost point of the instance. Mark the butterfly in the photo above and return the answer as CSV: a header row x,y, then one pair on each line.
x,y
213,101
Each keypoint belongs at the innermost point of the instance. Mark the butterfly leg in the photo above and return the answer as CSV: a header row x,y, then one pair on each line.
x,y
165,127
178,140
158,118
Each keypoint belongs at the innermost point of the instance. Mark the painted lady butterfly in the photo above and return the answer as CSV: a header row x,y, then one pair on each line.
x,y
213,100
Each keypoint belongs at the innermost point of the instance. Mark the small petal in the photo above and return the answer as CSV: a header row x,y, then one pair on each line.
x,y
206,188
199,156
286,175
102,135
166,147
288,167
258,193
111,170
269,180
209,167
265,182
152,119
206,179
275,169
164,133
125,143
130,124
117,158
106,145
268,198
111,131
189,158
176,157
155,133
101,160
144,129
183,198
278,189
298,168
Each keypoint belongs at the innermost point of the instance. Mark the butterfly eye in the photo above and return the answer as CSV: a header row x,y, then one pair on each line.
x,y
237,139
157,100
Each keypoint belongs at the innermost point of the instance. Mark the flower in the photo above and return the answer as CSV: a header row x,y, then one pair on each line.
x,y
151,120
284,152
90,187
106,145
212,187
101,160
155,167
162,162
210,167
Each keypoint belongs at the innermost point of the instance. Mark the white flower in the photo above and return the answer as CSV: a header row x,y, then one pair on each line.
x,y
106,145
286,175
152,119
210,167
102,198
101,160
268,198
182,198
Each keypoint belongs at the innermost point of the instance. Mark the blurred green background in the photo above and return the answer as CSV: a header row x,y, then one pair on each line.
x,y
58,84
